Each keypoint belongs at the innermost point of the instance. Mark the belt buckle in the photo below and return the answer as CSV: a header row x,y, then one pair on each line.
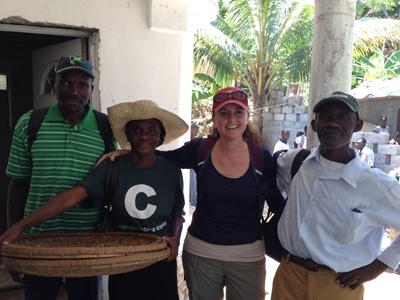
x,y
311,265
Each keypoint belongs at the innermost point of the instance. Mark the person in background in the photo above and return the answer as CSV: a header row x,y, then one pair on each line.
x,y
149,196
283,144
301,140
364,153
382,127
67,147
194,131
223,246
337,208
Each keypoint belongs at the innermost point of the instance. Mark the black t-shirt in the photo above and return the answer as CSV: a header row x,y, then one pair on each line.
x,y
147,198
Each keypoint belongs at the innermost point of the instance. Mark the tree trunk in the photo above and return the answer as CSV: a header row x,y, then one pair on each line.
x,y
259,102
331,62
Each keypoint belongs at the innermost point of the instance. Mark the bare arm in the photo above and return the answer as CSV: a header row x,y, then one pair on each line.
x,y
18,190
59,204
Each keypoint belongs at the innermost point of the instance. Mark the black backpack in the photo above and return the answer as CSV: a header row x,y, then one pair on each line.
x,y
273,247
38,115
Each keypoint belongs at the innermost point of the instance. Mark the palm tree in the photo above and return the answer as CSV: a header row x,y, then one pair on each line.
x,y
373,33
266,44
261,45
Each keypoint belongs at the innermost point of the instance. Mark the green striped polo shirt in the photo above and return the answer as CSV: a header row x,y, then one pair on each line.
x,y
60,157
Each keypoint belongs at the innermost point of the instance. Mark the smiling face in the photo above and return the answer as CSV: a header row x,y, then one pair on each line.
x,y
231,121
144,136
73,89
335,124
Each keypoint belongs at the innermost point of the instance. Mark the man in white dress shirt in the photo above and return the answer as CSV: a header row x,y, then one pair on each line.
x,y
332,225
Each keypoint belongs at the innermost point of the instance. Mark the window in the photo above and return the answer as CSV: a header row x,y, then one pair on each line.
x,y
3,82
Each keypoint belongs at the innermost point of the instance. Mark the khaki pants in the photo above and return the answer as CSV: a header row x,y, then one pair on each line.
x,y
206,278
293,282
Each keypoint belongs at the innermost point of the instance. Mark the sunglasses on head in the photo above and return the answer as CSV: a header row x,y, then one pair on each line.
x,y
223,96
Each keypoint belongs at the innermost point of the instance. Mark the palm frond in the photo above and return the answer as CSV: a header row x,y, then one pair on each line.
x,y
370,33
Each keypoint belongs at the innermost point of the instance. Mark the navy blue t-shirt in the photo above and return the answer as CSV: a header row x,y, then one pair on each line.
x,y
228,209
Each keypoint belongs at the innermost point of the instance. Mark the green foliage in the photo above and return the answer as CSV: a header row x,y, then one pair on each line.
x,y
377,8
377,66
259,44
203,87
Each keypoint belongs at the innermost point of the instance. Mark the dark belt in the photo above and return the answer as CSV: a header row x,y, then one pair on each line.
x,y
307,263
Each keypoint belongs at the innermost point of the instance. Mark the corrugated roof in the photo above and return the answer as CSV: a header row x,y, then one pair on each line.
x,y
377,88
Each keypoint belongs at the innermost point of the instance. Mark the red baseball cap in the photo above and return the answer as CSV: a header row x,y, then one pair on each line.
x,y
228,95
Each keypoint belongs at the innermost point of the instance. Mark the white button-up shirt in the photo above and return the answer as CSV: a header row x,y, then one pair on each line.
x,y
336,216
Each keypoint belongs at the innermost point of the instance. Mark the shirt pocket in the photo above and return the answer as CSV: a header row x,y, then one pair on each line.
x,y
346,225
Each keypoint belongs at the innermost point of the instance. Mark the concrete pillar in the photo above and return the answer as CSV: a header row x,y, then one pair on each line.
x,y
332,53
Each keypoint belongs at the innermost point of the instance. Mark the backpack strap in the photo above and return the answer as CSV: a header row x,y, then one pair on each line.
x,y
298,160
204,154
106,133
111,179
257,160
37,117
35,121
257,163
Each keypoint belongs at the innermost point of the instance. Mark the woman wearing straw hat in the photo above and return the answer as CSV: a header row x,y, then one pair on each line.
x,y
223,246
149,195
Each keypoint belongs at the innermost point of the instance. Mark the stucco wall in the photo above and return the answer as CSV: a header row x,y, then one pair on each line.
x,y
372,109
144,47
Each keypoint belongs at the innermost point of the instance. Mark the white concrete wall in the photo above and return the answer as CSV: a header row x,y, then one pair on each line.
x,y
144,49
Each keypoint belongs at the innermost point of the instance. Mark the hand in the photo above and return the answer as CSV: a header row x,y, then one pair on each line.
x,y
358,276
10,235
173,244
112,155
6,238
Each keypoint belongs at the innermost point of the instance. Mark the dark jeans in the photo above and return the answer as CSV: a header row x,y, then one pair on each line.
x,y
155,282
47,288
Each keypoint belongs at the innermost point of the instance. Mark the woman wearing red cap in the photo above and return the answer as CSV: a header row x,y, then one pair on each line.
x,y
223,246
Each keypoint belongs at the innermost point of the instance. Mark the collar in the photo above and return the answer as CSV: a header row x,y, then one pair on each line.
x,y
350,172
89,121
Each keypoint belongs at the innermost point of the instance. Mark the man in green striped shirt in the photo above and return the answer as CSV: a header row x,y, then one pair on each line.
x,y
67,146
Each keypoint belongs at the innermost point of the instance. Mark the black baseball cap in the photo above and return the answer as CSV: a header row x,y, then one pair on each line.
x,y
67,63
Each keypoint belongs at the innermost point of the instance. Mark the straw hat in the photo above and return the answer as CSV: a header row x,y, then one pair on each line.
x,y
122,113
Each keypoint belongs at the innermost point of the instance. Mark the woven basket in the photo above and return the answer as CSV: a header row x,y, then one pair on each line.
x,y
83,254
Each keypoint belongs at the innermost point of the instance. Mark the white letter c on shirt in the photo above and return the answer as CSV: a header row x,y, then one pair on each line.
x,y
131,205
